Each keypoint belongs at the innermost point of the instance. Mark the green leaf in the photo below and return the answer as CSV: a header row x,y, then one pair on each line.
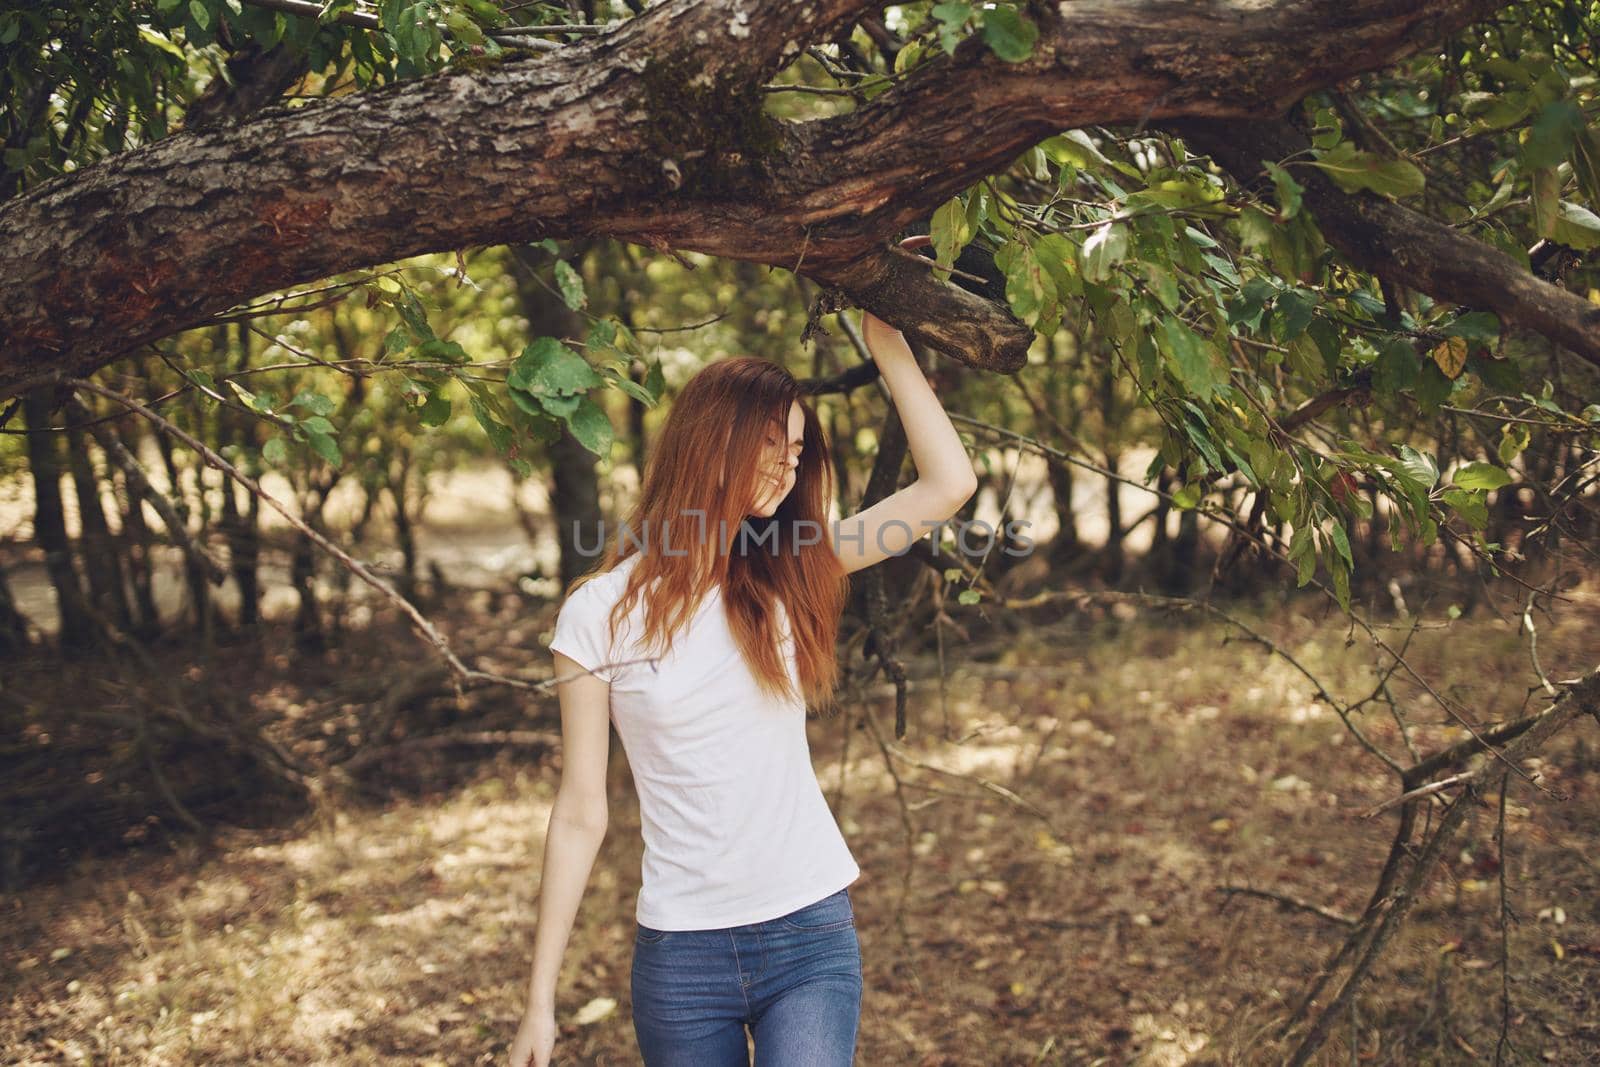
x,y
1546,201
1255,228
1576,227
327,448
1288,190
1513,439
1008,33
1190,359
1073,148
275,451
949,231
200,13
1418,468
498,433
1585,157
262,404
1106,247
1341,586
411,310
1187,497
1552,135
562,406
1481,476
952,17
1483,326
1294,309
655,380
570,283
1025,281
1341,541
436,411
969,596
1057,256
548,366
1353,170
602,334
1469,505
1306,568
1432,387
1396,367
315,403
444,351
591,427
394,341
633,389
1305,359
1178,194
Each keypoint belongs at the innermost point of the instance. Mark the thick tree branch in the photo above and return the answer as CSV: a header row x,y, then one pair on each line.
x,y
653,133
1403,246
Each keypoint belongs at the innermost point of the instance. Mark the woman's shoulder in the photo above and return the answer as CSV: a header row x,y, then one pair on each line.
x,y
604,586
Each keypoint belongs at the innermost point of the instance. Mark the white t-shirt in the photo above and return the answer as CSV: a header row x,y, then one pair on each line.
x,y
736,829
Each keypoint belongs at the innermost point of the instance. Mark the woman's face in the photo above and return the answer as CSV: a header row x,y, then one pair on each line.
x,y
780,456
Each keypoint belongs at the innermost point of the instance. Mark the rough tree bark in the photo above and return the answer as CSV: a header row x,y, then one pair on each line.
x,y
652,133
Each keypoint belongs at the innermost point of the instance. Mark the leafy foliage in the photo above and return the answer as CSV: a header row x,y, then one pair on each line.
x,y
1222,308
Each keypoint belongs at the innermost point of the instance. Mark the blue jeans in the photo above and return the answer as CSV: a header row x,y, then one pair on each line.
x,y
795,981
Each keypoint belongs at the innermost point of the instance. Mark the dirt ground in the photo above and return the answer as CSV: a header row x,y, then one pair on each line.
x,y
1152,759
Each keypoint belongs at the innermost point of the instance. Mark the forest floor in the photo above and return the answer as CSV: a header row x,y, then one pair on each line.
x,y
1156,759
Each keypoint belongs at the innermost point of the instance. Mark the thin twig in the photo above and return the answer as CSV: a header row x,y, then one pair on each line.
x,y
1294,902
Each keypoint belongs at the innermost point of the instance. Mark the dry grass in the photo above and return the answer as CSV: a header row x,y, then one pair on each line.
x,y
1168,762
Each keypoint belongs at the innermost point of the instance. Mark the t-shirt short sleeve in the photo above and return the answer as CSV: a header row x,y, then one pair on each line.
x,y
583,629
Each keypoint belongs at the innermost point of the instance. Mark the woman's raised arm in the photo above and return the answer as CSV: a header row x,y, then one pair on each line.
x,y
944,471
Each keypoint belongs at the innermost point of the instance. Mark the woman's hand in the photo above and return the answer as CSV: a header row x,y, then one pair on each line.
x,y
881,338
535,1040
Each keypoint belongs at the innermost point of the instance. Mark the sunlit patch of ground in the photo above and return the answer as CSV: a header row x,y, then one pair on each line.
x,y
1163,762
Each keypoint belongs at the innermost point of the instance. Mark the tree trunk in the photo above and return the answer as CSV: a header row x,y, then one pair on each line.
x,y
309,635
141,561
102,553
1181,578
405,537
1113,559
49,521
13,624
574,482
242,538
1160,557
1065,548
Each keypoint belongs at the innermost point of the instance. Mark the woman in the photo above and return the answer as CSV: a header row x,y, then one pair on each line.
x,y
704,633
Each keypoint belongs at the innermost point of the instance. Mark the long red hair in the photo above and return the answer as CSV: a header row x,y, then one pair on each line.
x,y
725,415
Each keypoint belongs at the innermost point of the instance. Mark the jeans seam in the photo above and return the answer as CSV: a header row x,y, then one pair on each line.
x,y
738,970
832,927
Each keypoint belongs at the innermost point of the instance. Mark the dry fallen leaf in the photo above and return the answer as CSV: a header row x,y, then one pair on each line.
x,y
597,1009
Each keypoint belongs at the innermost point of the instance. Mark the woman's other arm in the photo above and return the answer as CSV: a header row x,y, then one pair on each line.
x,y
577,827
944,472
